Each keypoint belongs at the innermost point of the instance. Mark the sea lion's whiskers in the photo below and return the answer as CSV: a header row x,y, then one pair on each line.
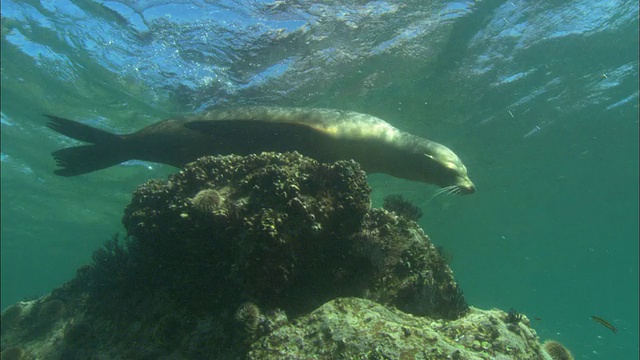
x,y
438,192
453,189
450,189
444,190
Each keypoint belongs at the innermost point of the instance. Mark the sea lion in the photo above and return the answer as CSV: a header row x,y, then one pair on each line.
x,y
324,134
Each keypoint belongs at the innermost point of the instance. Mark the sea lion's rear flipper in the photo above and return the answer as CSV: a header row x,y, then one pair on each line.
x,y
106,149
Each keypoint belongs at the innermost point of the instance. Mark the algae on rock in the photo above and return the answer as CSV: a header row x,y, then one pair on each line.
x,y
283,231
222,256
353,328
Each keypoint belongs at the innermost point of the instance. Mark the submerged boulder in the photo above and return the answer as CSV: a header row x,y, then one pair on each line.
x,y
234,257
283,231
343,328
353,328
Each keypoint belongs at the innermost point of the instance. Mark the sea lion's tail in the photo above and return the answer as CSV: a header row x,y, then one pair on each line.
x,y
106,149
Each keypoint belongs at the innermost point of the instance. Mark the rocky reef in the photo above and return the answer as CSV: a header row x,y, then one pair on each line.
x,y
269,256
354,328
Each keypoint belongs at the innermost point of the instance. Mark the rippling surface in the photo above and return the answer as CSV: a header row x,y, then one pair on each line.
x,y
540,100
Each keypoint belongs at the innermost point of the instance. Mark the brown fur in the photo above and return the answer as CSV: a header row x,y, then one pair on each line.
x,y
323,134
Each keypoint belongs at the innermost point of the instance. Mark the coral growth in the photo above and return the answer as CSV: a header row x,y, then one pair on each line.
x,y
513,316
282,235
351,328
11,317
556,351
446,254
274,214
402,207
112,269
51,311
248,318
415,274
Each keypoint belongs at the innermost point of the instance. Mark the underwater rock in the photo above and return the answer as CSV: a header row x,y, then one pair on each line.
x,y
283,231
268,228
343,328
35,330
50,311
361,329
233,257
10,317
14,353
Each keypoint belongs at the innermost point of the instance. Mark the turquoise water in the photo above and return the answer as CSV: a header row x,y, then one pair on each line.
x,y
539,99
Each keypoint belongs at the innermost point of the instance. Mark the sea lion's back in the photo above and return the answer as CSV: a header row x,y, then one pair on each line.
x,y
332,122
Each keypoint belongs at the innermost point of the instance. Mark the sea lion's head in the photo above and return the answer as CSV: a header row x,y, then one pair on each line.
x,y
445,169
423,160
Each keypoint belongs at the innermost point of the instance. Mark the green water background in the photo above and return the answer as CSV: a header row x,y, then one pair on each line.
x,y
552,230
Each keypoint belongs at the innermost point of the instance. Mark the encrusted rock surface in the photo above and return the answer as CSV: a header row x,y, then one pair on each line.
x,y
264,256
285,231
343,328
352,328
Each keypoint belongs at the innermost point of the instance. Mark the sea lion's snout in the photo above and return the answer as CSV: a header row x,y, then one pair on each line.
x,y
447,170
467,189
463,186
